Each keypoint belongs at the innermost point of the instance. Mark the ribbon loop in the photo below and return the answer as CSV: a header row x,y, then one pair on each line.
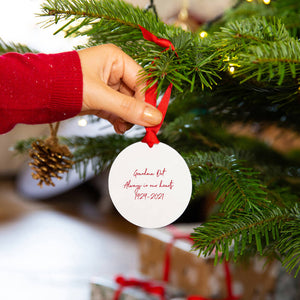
x,y
151,93
158,41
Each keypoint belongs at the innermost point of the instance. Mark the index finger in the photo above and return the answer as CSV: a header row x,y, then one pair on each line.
x,y
132,74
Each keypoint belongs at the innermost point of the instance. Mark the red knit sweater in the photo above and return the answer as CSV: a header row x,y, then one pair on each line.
x,y
39,88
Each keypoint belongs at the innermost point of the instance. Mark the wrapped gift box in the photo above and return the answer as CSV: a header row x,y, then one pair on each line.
x,y
104,289
197,275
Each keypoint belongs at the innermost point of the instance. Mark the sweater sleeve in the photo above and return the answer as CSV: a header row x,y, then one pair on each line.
x,y
39,88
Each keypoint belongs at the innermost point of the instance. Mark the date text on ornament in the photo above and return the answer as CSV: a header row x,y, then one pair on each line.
x,y
150,187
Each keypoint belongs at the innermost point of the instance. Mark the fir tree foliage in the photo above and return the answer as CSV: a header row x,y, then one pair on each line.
x,y
260,49
14,47
98,150
232,181
231,236
118,22
247,71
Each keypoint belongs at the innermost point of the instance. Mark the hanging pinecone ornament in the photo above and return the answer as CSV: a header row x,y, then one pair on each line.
x,y
49,158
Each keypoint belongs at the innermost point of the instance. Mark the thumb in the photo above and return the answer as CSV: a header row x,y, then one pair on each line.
x,y
130,109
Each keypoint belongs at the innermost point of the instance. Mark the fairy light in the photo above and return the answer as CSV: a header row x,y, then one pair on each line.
x,y
231,69
203,34
267,2
232,64
82,122
249,0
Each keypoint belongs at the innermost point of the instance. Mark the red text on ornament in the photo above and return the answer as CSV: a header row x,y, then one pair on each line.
x,y
161,172
144,173
164,185
128,185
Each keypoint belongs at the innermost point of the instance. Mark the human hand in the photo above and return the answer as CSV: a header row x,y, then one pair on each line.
x,y
111,91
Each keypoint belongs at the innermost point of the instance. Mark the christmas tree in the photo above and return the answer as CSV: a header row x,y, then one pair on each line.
x,y
238,73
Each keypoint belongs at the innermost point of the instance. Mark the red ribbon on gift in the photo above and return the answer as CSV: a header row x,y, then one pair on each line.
x,y
146,285
176,235
151,93
230,295
197,298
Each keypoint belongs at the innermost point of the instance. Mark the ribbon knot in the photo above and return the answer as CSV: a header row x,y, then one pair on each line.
x,y
151,93
150,138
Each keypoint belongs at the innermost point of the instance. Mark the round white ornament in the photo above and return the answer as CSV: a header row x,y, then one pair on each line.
x,y
150,187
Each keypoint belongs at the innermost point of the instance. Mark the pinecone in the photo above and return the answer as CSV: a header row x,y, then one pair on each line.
x,y
49,160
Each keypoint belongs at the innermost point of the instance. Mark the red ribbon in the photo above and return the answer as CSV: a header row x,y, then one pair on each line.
x,y
230,295
158,41
176,235
197,298
147,286
151,93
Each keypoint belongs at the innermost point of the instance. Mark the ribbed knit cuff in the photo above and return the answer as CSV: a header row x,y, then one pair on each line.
x,y
66,84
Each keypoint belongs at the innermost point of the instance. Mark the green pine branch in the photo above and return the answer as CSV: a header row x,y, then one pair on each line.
x,y
259,49
230,236
91,11
14,47
275,61
288,11
237,186
100,150
118,22
289,243
236,36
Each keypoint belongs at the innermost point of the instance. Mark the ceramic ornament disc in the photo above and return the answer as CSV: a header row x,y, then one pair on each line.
x,y
150,187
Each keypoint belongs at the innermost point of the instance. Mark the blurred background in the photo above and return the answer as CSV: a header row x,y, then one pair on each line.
x,y
53,240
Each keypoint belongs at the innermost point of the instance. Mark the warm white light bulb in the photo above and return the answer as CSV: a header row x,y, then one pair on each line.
x,y
231,70
249,0
267,2
203,34
82,122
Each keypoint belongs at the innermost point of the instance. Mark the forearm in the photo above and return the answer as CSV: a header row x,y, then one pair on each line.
x,y
39,88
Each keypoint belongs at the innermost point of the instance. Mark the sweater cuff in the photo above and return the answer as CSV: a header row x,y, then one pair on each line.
x,y
66,85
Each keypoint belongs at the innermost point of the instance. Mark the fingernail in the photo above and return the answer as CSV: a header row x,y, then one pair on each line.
x,y
152,115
